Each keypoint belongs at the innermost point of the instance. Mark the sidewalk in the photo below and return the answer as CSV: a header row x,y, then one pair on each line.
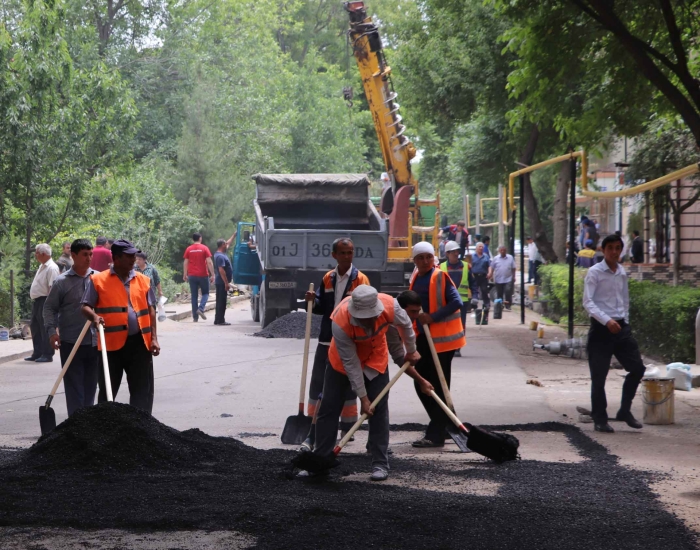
x,y
17,349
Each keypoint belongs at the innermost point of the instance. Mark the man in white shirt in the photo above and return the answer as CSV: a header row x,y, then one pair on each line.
x,y
44,278
503,272
606,299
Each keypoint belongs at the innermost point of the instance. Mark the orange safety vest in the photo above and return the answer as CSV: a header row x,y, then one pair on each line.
x,y
113,306
371,350
447,334
330,277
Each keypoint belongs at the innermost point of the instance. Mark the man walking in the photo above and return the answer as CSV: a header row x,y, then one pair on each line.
x,y
637,252
223,278
41,285
198,270
441,306
606,299
101,255
123,301
358,358
65,261
458,270
459,234
503,272
62,311
531,253
487,241
336,285
480,270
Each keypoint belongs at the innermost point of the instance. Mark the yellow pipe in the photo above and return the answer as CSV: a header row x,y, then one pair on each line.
x,y
644,187
481,203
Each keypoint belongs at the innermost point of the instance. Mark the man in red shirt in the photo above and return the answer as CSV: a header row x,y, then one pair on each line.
x,y
101,255
198,270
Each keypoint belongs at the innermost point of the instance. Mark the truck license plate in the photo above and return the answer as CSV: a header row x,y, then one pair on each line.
x,y
289,284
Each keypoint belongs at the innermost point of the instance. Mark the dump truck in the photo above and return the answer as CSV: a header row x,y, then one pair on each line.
x,y
297,218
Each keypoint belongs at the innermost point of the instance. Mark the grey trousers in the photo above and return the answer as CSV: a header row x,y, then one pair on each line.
x,y
335,386
80,380
40,338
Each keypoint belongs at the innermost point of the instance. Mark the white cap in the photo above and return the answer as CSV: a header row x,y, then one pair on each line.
x,y
423,247
450,246
364,302
385,176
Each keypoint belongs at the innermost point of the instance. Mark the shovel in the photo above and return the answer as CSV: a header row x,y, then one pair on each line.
x,y
457,436
498,447
297,426
312,462
47,417
105,364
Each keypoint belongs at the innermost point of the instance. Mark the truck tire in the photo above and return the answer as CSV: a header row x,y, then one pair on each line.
x,y
266,315
255,308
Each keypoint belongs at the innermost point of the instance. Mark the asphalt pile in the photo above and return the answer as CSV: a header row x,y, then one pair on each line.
x,y
292,325
193,481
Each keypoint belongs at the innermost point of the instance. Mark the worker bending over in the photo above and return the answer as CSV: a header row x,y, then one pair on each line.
x,y
359,358
123,301
336,285
441,312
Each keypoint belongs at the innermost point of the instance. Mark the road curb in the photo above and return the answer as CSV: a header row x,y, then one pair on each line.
x,y
15,356
208,307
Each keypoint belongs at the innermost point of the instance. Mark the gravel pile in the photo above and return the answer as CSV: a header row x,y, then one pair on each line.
x,y
593,504
292,325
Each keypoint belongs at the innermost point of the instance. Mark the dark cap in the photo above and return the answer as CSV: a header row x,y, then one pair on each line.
x,y
121,246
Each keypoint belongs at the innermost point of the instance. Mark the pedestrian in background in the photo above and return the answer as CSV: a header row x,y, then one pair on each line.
x,y
637,252
123,301
606,299
198,270
459,234
586,256
41,286
101,255
480,270
458,270
65,262
531,252
502,270
537,261
487,240
62,311
222,279
150,271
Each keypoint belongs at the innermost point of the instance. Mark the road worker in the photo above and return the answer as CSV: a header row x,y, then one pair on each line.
x,y
458,270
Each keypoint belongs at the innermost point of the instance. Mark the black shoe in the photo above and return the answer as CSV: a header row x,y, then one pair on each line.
x,y
604,427
44,360
630,420
224,324
31,358
458,353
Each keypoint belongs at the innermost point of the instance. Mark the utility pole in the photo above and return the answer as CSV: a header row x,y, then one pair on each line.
x,y
501,225
477,230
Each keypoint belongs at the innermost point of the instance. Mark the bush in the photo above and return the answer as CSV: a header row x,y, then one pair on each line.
x,y
662,317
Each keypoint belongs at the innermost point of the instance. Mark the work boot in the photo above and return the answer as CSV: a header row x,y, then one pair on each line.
x,y
630,420
307,445
379,474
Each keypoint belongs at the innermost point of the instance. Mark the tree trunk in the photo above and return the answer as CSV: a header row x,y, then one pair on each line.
x,y
659,225
559,215
28,233
536,227
677,212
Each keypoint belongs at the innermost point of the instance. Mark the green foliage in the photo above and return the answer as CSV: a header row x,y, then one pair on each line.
x,y
662,317
11,252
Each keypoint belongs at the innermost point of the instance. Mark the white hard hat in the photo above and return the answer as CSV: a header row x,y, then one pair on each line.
x,y
452,245
385,176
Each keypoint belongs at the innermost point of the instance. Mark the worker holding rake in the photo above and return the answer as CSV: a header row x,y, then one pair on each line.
x,y
358,358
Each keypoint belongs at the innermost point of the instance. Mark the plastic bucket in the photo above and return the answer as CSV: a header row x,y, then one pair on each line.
x,y
658,400
4,334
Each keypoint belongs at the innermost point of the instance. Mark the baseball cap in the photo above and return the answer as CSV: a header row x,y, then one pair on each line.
x,y
122,246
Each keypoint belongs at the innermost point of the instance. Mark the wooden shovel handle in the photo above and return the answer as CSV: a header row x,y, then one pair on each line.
x,y
456,421
438,368
105,364
86,326
307,339
364,417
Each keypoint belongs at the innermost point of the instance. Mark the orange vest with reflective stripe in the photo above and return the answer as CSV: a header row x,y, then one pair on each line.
x,y
113,306
371,350
447,334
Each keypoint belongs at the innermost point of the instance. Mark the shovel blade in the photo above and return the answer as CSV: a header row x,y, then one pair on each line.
x,y
47,419
459,437
498,447
296,429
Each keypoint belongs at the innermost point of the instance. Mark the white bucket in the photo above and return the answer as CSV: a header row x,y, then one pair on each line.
x,y
4,334
658,399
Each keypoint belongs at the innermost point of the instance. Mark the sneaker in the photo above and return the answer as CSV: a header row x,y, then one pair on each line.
x,y
379,474
304,474
307,445
201,314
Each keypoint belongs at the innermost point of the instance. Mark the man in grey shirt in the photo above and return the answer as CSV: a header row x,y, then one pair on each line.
x,y
606,299
62,311
503,272
359,357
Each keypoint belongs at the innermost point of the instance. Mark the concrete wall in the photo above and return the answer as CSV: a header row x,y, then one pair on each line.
x,y
663,273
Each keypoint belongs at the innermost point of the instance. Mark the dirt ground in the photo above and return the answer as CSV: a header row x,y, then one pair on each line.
x,y
671,450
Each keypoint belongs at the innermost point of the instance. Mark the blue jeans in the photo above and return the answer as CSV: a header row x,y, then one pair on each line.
x,y
197,283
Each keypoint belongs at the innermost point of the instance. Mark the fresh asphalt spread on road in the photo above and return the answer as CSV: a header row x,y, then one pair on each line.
x,y
114,467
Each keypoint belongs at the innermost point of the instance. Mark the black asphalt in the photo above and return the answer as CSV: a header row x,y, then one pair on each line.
x,y
112,466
